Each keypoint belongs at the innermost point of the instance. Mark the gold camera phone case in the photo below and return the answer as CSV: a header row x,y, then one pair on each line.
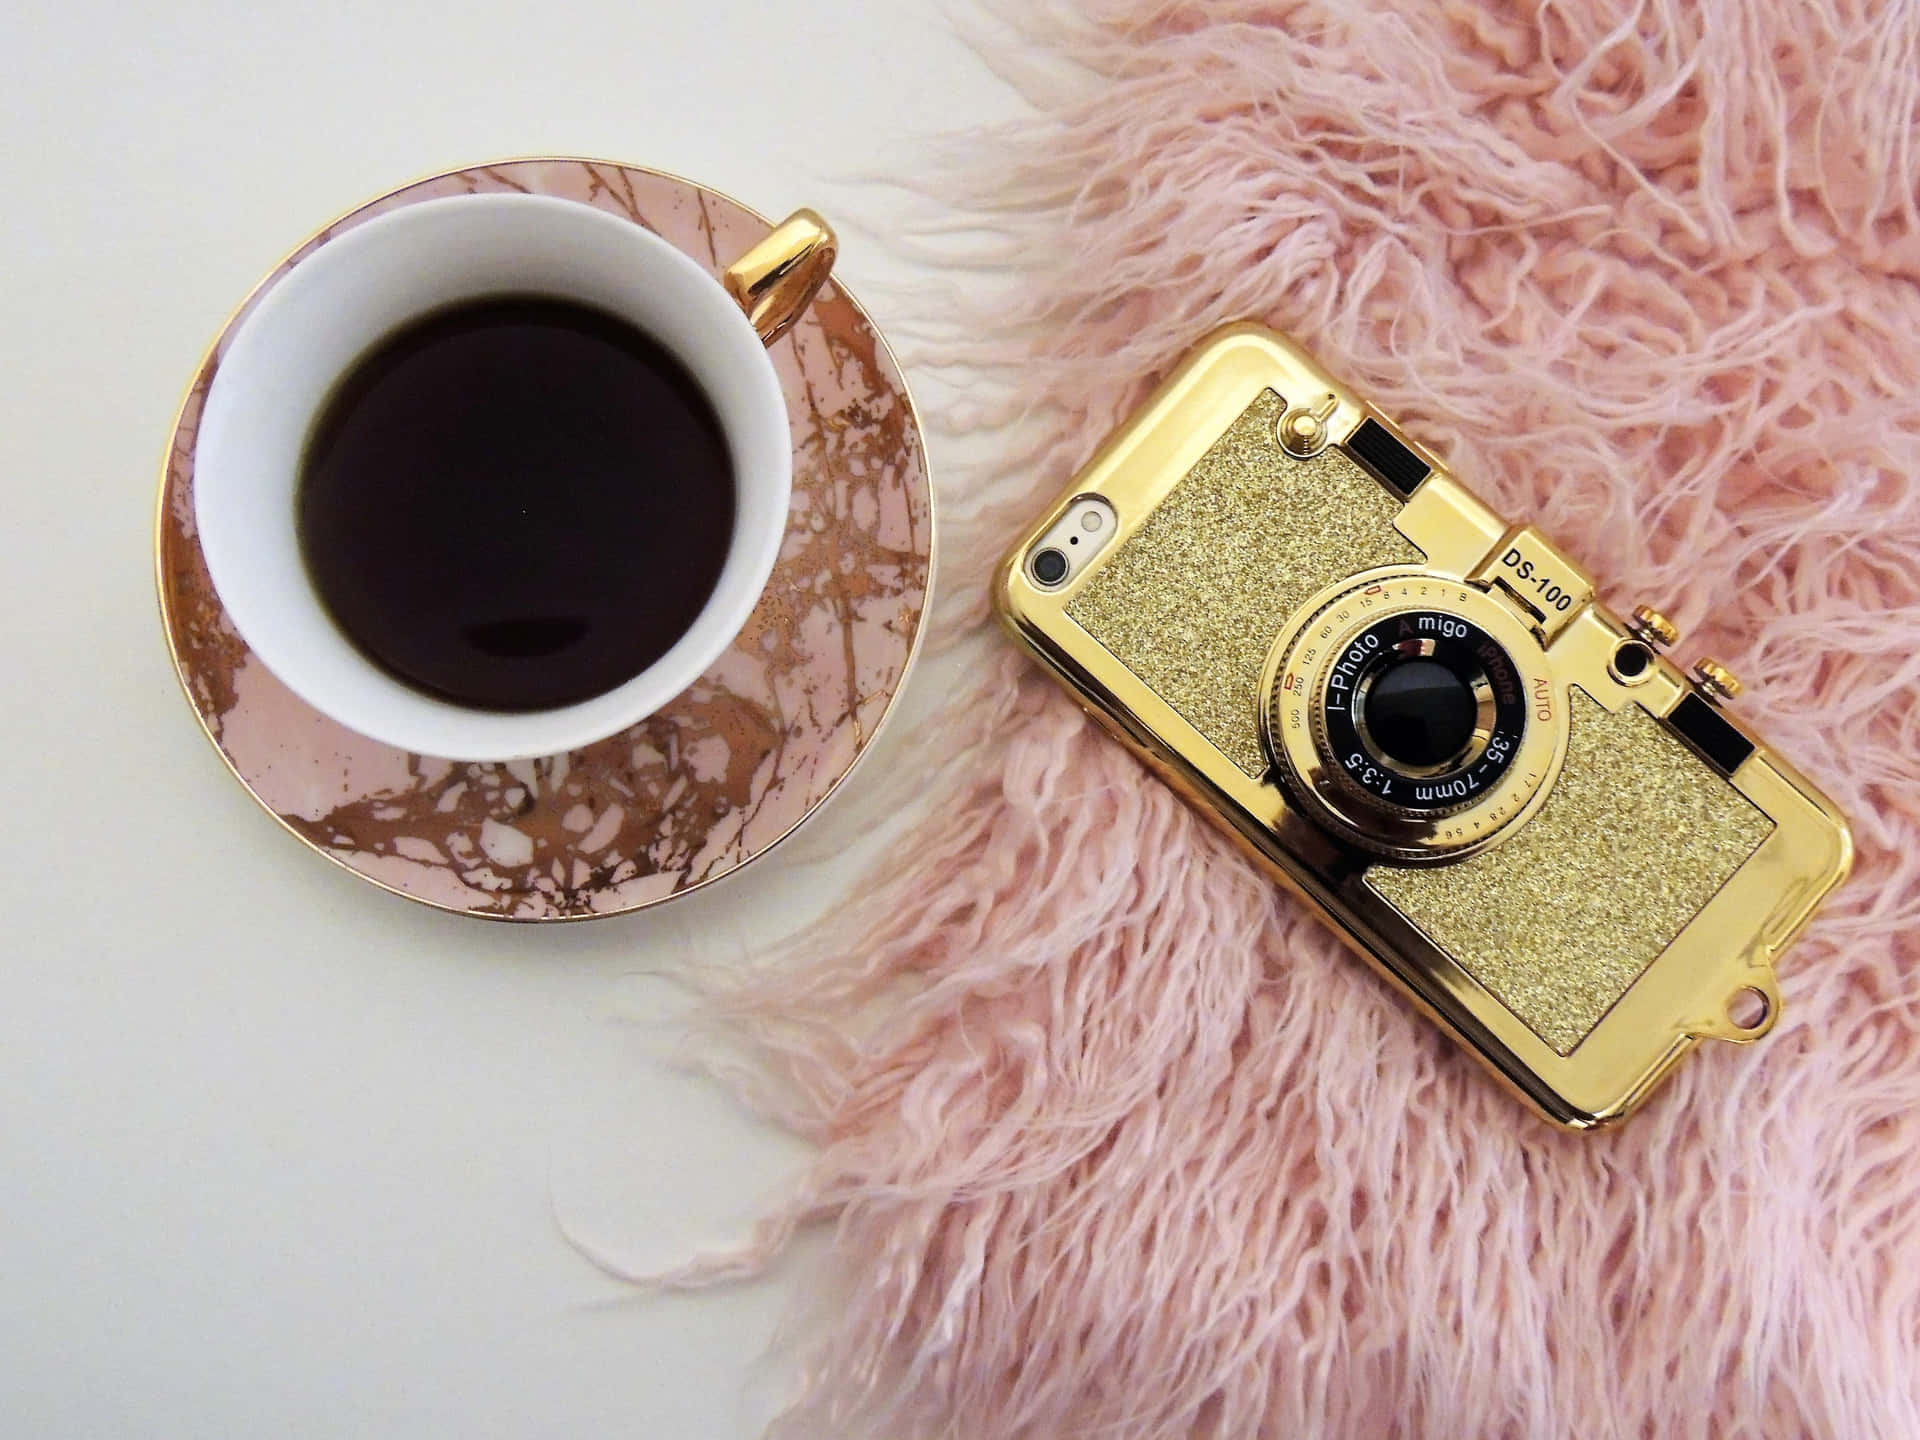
x,y
1423,721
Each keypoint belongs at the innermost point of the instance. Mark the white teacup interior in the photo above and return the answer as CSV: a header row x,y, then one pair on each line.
x,y
316,321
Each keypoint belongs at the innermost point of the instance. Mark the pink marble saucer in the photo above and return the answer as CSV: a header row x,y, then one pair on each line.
x,y
693,793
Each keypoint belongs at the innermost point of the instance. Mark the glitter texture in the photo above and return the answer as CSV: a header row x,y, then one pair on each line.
x,y
1192,602
1634,839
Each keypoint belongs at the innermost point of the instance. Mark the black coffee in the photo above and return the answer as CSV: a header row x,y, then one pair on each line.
x,y
516,503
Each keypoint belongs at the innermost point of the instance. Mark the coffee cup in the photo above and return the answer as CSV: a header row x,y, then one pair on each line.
x,y
313,326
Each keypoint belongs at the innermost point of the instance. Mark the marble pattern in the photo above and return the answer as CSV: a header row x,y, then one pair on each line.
x,y
694,792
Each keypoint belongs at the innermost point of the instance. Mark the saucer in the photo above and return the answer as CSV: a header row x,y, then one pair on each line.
x,y
689,795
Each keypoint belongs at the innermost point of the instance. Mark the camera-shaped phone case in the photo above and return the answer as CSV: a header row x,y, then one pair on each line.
x,y
1419,716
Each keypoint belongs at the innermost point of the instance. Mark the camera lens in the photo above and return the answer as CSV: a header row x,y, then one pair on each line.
x,y
1412,715
1421,710
1420,713
1050,567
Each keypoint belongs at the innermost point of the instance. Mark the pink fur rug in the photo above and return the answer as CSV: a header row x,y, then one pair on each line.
x,y
1115,1140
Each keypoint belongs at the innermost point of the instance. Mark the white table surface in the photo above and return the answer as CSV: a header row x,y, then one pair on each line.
x,y
280,1154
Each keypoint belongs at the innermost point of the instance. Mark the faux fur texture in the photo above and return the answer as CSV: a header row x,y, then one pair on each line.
x,y
1117,1142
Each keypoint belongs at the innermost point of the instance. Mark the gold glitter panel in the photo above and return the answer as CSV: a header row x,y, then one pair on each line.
x,y
1635,838
1192,601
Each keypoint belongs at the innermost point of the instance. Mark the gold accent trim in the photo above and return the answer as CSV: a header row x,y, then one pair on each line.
x,y
775,280
207,358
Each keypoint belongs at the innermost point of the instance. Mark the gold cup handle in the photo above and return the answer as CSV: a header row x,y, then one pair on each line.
x,y
774,281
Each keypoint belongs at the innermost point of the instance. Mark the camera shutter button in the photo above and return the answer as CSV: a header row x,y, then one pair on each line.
x,y
1653,627
1718,682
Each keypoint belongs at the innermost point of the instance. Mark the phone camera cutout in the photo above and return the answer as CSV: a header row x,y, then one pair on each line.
x,y
1085,528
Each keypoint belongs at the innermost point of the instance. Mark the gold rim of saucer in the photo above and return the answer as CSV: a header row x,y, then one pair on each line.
x,y
869,733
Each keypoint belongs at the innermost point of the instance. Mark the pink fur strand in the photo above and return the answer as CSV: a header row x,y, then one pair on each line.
x,y
1116,1142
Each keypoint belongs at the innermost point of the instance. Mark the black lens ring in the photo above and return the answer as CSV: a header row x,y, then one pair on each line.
x,y
1461,647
